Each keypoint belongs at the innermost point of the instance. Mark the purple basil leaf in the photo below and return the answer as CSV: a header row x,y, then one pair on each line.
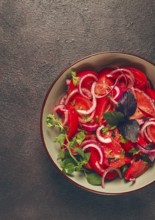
x,y
127,104
130,130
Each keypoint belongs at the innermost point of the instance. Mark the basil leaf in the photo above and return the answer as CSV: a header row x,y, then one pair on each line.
x,y
114,118
130,129
94,179
127,104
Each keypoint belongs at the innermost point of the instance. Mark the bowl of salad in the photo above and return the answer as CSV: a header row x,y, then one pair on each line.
x,y
98,123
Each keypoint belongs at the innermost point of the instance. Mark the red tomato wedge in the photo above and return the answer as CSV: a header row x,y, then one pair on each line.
x,y
136,169
72,123
81,103
140,78
151,93
144,103
102,106
114,155
151,132
103,85
94,164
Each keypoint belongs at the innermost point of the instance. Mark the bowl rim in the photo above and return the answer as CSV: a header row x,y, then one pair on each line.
x,y
41,117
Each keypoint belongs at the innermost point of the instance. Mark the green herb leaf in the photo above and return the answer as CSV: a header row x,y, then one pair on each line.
x,y
87,156
105,129
114,118
61,154
72,143
80,152
94,179
52,121
127,104
60,139
80,137
122,139
134,151
130,129
68,166
75,78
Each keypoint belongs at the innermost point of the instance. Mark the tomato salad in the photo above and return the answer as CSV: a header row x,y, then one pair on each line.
x,y
107,124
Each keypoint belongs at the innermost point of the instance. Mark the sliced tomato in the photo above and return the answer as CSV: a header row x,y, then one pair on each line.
x,y
87,83
151,93
136,169
140,78
114,135
81,103
103,85
114,155
102,105
144,102
94,164
141,141
72,124
151,132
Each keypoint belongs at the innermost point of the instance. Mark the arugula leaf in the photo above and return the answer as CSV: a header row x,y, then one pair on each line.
x,y
130,129
127,104
94,179
75,78
114,118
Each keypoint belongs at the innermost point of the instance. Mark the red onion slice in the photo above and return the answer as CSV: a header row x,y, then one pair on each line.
x,y
89,127
62,100
92,145
81,81
118,92
145,151
129,75
106,171
65,118
85,142
88,119
150,134
100,138
60,107
112,87
70,95
94,103
144,131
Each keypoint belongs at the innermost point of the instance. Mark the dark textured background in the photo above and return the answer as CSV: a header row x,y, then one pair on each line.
x,y
38,38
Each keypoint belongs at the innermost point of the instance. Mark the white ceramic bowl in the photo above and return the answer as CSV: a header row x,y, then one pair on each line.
x,y
57,89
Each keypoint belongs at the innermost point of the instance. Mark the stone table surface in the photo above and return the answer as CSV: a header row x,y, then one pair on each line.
x,y
39,38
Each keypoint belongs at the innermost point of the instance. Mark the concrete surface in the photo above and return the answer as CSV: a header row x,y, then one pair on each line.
x,y
38,38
